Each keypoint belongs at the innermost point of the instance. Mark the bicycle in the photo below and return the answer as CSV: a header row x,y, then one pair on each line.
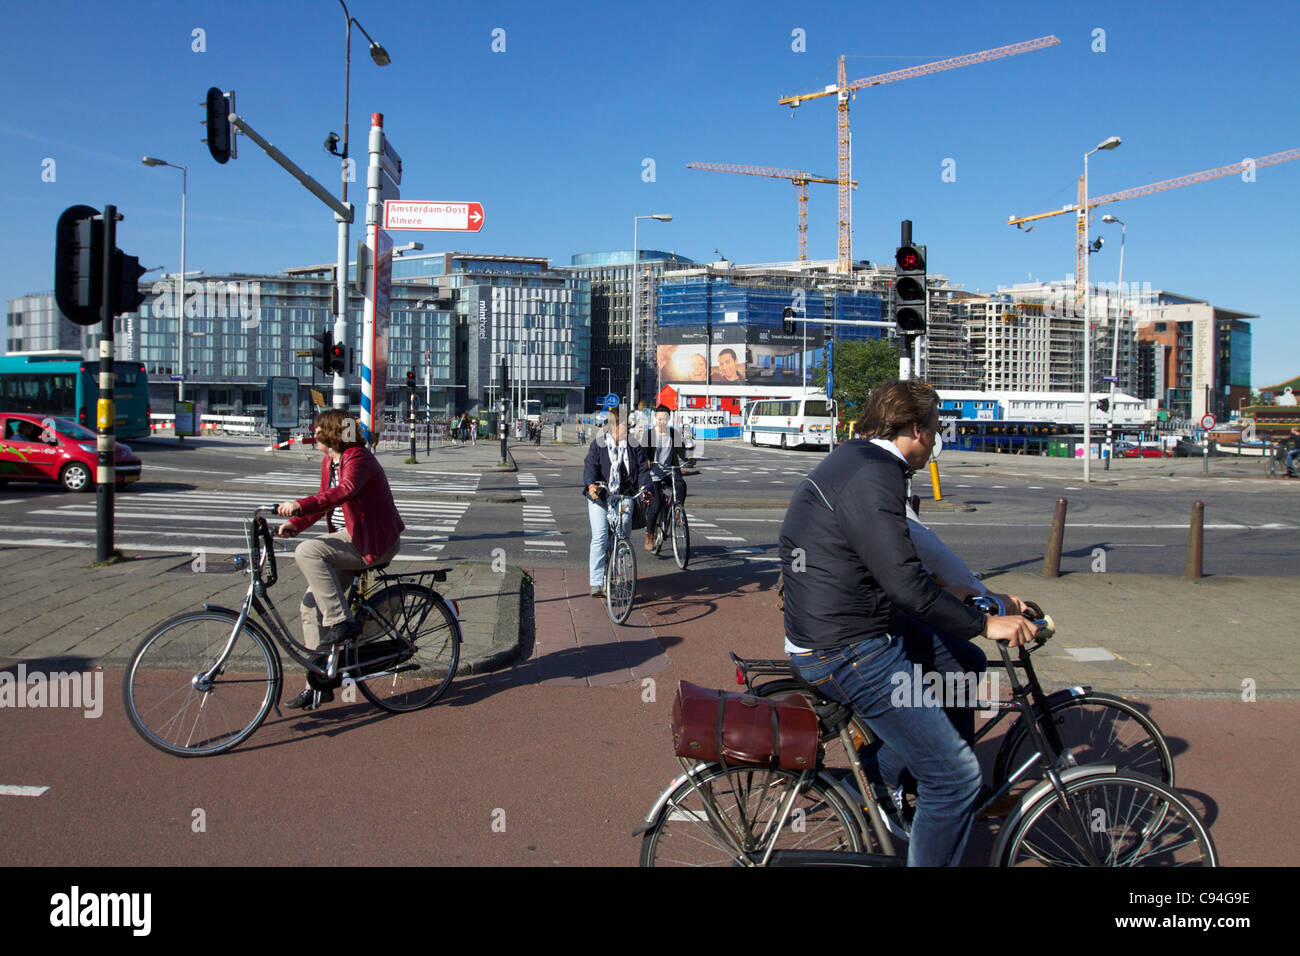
x,y
1091,814
1277,463
671,523
1084,726
231,673
620,556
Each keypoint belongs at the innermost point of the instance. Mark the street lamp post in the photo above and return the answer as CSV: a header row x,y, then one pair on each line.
x,y
180,280
636,268
1114,354
1110,143
381,58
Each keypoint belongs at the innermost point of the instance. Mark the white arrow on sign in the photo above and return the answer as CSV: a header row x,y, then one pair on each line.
x,y
439,216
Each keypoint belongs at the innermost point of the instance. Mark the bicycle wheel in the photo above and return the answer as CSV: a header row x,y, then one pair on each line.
x,y
173,708
748,802
1274,467
1097,728
1127,819
620,581
422,616
681,537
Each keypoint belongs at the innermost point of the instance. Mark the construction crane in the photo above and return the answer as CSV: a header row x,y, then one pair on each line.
x,y
1081,242
844,90
800,179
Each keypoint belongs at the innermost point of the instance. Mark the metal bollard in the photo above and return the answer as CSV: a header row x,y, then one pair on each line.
x,y
1052,559
934,480
1196,541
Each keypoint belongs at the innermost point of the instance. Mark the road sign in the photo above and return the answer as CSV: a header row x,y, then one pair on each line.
x,y
609,401
433,216
391,162
177,378
1208,422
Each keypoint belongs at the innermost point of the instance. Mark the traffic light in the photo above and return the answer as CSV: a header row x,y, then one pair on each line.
x,y
79,264
410,379
127,295
221,137
338,358
1103,404
787,321
324,347
909,285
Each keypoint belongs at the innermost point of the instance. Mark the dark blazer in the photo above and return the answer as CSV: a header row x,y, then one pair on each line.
x,y
369,512
858,569
596,468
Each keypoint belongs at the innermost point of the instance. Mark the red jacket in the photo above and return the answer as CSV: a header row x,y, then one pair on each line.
x,y
368,510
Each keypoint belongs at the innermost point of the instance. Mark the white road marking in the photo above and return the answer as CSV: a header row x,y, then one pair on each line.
x,y
10,790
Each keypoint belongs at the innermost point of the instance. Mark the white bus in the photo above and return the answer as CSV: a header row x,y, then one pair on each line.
x,y
790,422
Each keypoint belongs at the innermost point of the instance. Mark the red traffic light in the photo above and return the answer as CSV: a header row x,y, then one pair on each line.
x,y
909,258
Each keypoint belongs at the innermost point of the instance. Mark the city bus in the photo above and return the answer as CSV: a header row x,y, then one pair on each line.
x,y
999,435
64,385
790,422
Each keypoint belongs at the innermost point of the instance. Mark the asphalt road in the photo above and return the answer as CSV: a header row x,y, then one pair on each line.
x,y
194,494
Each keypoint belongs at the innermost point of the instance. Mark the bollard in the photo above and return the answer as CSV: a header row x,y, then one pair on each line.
x,y
1196,541
1052,559
934,480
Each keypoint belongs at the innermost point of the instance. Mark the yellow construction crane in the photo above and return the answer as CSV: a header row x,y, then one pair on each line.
x,y
1081,241
800,179
845,90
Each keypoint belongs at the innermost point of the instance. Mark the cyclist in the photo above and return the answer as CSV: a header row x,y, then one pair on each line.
x,y
663,449
350,477
856,593
1291,443
621,466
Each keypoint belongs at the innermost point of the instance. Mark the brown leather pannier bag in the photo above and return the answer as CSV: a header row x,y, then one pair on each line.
x,y
713,725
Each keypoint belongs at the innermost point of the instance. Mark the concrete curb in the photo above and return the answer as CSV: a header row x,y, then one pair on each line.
x,y
506,643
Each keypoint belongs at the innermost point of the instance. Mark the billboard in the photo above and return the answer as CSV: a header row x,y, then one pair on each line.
x,y
734,355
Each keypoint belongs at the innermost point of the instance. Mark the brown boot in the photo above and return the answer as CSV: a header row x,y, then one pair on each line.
x,y
649,541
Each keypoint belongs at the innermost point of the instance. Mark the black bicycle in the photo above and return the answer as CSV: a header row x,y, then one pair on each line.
x,y
672,522
203,681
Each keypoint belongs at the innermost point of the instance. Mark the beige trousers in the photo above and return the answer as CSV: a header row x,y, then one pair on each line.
x,y
329,564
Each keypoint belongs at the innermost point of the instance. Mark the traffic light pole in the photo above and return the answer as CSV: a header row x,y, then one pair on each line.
x,y
343,215
105,414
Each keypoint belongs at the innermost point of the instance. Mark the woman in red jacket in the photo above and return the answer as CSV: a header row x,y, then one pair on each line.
x,y
352,478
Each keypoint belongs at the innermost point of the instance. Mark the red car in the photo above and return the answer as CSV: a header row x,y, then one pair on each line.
x,y
1144,452
44,448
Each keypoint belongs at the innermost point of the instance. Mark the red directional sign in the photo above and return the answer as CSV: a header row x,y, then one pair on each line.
x,y
433,216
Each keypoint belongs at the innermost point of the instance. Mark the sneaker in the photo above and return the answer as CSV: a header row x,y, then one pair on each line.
x,y
597,592
310,699
338,633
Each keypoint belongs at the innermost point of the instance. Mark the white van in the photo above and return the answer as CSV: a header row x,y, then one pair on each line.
x,y
790,422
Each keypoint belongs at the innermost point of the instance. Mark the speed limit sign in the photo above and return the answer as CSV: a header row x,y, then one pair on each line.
x,y
1208,421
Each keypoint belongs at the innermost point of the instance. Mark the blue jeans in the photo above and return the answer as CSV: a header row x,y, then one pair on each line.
x,y
599,528
876,679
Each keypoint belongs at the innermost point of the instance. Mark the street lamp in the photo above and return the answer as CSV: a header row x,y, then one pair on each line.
x,y
180,280
381,58
636,268
1110,143
1114,355
607,384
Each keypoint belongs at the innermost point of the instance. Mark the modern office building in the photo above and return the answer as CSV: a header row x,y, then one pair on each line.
x,y
452,316
610,278
1199,355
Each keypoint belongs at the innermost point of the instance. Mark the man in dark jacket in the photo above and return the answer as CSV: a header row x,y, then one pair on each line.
x,y
663,450
622,466
856,592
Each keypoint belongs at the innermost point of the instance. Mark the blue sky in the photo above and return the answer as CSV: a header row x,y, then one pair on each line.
x,y
552,134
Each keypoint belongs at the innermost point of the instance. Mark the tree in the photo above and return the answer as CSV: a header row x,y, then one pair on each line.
x,y
859,367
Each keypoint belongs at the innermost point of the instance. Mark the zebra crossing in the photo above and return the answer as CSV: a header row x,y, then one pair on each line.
x,y
428,482
541,532
212,521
